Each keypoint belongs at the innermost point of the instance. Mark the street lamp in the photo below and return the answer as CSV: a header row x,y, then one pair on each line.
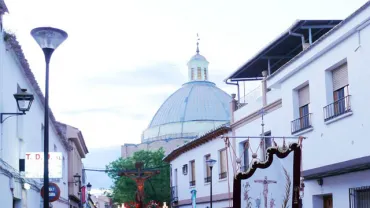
x,y
88,186
24,102
77,178
48,39
210,164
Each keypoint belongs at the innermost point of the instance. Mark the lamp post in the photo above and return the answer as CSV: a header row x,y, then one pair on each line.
x,y
78,180
210,164
48,39
24,102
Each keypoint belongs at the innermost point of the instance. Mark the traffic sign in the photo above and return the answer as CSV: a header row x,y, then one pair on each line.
x,y
54,192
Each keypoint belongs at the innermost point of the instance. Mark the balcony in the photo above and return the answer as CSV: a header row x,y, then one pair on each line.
x,y
301,124
192,183
174,196
223,175
207,179
337,108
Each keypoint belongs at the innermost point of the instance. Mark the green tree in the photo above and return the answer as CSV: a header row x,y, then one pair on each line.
x,y
156,188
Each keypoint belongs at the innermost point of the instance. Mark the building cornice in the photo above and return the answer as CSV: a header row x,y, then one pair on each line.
x,y
256,114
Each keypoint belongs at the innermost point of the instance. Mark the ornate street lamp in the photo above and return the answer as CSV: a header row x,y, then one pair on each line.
x,y
210,164
24,102
48,39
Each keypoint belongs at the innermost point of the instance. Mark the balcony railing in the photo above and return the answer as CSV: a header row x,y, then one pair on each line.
x,y
301,123
207,179
192,183
223,175
359,197
337,108
174,196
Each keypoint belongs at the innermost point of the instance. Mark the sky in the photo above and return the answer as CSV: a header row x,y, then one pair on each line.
x,y
122,59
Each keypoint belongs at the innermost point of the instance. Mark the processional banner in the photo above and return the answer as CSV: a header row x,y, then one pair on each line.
x,y
272,183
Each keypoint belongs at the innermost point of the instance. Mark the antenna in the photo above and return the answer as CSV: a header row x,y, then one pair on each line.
x,y
198,43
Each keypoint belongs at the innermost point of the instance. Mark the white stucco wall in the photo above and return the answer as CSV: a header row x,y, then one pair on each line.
x,y
202,188
327,143
23,133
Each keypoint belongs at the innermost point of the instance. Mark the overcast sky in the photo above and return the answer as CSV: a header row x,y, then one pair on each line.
x,y
124,58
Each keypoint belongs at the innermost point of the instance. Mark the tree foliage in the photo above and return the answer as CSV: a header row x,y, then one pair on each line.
x,y
156,188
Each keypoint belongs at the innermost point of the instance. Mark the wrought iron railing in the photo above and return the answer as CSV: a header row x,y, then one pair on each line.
x,y
301,123
207,179
223,175
337,108
359,197
174,196
192,183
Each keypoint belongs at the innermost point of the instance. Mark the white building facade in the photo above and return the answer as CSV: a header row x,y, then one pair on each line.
x,y
189,171
316,81
21,134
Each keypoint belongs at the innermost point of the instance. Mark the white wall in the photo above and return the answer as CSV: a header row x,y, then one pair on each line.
x,y
26,129
327,143
203,190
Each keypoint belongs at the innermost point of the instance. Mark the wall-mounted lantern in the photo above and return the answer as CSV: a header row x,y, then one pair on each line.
x,y
24,101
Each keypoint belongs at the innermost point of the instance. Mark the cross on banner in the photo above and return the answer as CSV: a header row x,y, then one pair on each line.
x,y
139,175
265,184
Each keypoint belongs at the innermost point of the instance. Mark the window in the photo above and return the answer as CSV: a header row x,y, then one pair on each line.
x,y
199,74
245,156
303,121
223,164
207,178
340,83
205,74
359,197
192,73
192,173
341,101
304,100
267,143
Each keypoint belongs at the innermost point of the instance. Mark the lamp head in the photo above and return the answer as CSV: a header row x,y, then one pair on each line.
x,y
88,186
24,100
48,37
211,162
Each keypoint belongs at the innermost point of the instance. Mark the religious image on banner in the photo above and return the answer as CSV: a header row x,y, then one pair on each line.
x,y
273,183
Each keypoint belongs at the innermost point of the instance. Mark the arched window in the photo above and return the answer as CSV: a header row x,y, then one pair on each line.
x,y
192,73
205,74
199,75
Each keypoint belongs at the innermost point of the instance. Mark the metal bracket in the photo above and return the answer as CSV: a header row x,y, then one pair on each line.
x,y
10,115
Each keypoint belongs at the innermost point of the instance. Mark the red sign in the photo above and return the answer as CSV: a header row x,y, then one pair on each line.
x,y
54,192
83,193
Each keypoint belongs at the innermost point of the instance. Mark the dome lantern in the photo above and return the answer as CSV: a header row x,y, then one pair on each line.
x,y
198,66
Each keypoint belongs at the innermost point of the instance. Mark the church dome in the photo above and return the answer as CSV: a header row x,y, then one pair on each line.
x,y
195,108
198,57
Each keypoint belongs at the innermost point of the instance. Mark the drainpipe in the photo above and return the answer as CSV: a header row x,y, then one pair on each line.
x,y
298,35
237,84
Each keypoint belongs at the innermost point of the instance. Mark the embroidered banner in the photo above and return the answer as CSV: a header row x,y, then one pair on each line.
x,y
270,184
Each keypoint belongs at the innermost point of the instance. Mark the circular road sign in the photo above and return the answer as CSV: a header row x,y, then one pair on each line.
x,y
54,192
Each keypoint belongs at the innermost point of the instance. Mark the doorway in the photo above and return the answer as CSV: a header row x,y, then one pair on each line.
x,y
328,201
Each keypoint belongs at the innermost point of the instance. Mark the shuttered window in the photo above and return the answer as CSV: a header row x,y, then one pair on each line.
x,y
192,167
208,170
304,96
223,161
340,77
